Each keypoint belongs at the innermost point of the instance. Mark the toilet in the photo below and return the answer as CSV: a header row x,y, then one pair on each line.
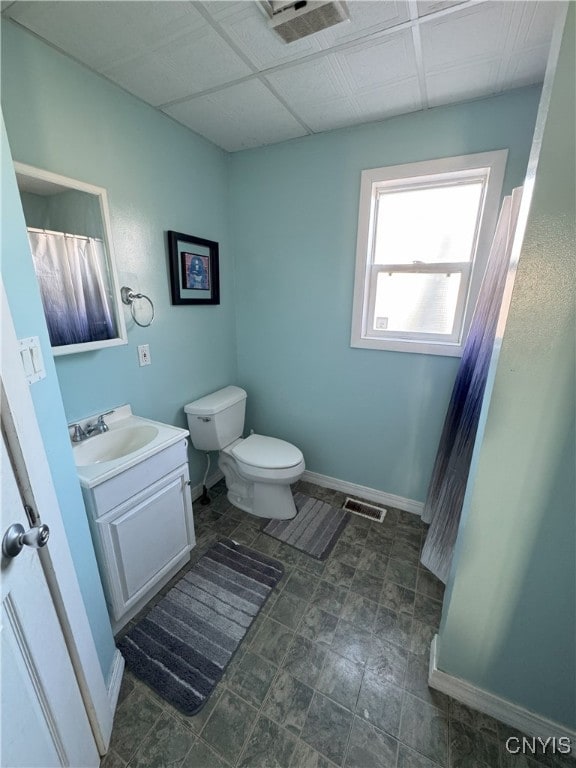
x,y
258,470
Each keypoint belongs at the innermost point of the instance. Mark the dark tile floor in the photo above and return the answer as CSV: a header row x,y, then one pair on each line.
x,y
333,672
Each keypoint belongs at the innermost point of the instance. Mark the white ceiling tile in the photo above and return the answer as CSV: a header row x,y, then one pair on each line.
x,y
196,61
366,18
533,23
247,27
526,67
395,99
242,116
462,83
221,8
317,80
102,33
325,93
329,115
381,61
426,7
317,92
476,32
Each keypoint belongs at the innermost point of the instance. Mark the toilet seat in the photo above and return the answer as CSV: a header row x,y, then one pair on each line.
x,y
267,453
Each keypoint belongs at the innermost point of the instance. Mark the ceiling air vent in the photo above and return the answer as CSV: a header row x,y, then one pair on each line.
x,y
294,20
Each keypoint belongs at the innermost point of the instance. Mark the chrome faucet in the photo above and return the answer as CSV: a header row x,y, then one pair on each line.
x,y
100,427
90,430
78,434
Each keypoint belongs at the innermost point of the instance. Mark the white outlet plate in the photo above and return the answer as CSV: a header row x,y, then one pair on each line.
x,y
144,354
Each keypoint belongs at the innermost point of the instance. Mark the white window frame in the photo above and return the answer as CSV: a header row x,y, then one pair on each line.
x,y
486,166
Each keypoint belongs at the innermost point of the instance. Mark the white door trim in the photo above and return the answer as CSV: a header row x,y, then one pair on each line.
x,y
56,558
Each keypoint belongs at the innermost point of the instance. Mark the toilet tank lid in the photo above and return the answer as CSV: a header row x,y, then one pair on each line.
x,y
216,402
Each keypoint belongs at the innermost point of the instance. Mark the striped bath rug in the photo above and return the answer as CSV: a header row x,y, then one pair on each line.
x,y
314,530
183,645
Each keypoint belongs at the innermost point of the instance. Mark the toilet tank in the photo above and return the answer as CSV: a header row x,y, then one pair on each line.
x,y
216,420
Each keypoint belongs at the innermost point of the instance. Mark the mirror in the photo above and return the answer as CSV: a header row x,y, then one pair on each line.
x,y
69,232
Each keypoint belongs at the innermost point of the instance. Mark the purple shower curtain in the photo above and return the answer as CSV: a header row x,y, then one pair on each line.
x,y
71,273
445,497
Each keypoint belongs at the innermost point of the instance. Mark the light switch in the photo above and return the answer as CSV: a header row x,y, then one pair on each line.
x,y
26,356
32,360
37,361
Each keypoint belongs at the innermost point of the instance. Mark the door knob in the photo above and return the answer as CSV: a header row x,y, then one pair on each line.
x,y
16,538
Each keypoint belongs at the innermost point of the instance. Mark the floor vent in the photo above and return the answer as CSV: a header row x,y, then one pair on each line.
x,y
365,510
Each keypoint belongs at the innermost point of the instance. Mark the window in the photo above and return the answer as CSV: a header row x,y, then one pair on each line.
x,y
424,234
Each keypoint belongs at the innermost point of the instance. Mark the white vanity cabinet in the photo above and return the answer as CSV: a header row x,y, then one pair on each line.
x,y
143,529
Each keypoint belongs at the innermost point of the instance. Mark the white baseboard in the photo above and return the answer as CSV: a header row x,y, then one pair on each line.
x,y
526,722
370,494
115,679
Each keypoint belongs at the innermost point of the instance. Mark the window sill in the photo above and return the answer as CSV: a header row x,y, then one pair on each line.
x,y
418,347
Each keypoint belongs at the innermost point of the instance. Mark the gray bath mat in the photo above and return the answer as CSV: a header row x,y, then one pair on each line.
x,y
183,645
314,530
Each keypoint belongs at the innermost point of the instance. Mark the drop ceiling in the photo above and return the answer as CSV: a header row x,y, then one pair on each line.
x,y
217,67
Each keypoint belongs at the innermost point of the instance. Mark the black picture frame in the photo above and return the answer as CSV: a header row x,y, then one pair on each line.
x,y
194,269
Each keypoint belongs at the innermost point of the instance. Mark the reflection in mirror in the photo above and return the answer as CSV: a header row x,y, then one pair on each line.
x,y
69,234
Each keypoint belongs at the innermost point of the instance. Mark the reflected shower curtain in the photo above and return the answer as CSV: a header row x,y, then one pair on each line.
x,y
443,504
71,272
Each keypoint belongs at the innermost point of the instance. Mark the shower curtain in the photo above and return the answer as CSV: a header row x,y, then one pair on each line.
x,y
443,504
71,272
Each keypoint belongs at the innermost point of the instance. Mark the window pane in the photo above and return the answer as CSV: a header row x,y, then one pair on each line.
x,y
416,302
431,225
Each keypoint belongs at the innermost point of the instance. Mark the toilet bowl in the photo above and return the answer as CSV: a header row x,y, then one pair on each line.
x,y
258,470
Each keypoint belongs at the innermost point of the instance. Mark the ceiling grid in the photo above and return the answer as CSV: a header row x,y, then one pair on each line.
x,y
218,68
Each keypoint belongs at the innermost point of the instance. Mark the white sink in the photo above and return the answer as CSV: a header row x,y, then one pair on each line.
x,y
114,444
130,440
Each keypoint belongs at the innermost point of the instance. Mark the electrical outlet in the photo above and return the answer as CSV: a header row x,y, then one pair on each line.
x,y
144,354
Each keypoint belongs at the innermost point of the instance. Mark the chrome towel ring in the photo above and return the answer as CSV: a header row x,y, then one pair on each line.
x,y
128,297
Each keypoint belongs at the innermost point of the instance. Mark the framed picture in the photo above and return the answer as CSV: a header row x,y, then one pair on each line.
x,y
194,271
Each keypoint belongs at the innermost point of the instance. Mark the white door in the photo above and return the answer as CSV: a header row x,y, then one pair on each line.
x,y
44,722
35,676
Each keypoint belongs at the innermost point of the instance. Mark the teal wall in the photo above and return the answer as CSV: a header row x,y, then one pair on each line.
x,y
28,316
75,212
159,176
509,622
365,416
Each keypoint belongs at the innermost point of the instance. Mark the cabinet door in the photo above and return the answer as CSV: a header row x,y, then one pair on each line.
x,y
143,541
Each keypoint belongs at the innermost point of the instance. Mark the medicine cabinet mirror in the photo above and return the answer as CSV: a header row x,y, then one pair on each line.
x,y
69,232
